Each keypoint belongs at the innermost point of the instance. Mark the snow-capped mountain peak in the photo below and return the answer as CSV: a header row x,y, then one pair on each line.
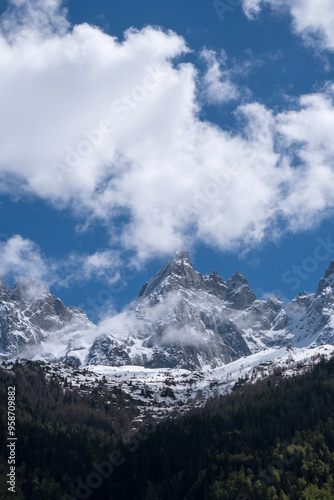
x,y
177,273
180,319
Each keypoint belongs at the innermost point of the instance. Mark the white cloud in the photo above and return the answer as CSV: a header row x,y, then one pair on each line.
x,y
22,259
307,132
112,128
253,7
104,266
314,20
217,83
36,17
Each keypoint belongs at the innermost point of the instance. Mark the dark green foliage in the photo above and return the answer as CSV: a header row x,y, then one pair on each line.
x,y
268,441
60,432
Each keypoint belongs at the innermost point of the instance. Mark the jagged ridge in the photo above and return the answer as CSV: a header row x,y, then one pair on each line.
x,y
180,319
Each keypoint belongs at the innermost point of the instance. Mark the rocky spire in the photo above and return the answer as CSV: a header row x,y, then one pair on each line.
x,y
177,273
239,293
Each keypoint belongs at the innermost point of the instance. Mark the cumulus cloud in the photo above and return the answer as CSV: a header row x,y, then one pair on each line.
x,y
314,21
104,266
21,260
33,19
252,7
306,133
218,85
112,129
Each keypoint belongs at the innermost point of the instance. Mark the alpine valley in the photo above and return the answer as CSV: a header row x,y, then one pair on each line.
x,y
186,337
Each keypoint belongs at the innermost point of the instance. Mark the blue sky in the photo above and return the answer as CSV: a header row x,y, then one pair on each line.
x,y
129,130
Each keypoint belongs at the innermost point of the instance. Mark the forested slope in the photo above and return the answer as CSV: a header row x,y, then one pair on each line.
x,y
273,440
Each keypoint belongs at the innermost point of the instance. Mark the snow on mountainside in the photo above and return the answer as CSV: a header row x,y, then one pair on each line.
x,y
186,337
161,393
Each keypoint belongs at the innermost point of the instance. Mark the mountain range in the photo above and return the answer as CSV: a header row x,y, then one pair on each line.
x,y
180,320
